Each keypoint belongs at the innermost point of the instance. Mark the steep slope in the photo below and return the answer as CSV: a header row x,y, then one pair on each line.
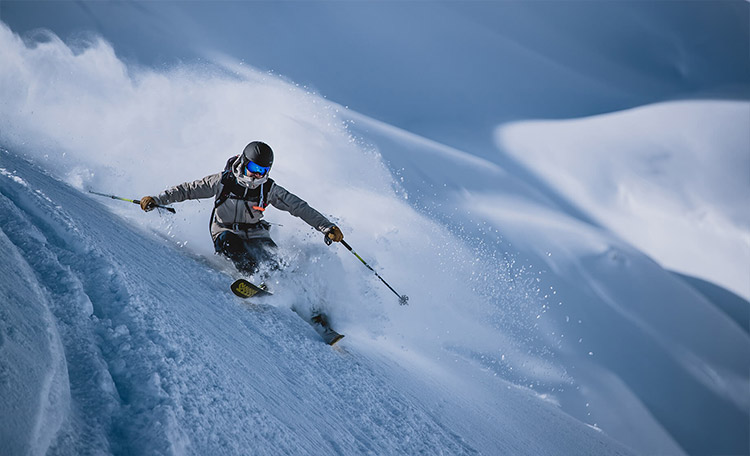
x,y
114,341
646,351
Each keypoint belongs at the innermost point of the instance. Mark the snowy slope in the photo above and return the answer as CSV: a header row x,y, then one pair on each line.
x,y
615,320
532,329
114,341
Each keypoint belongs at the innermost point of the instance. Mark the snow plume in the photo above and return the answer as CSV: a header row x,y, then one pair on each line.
x,y
133,131
99,124
529,325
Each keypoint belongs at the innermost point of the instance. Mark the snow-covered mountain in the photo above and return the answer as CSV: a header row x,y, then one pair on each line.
x,y
582,291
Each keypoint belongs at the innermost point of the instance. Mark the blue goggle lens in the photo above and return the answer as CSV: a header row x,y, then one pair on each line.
x,y
253,167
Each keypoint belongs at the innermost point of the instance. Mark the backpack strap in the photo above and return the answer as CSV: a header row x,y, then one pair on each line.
x,y
226,190
227,183
227,179
265,189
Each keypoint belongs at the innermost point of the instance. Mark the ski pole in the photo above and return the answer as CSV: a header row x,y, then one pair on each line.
x,y
138,202
402,299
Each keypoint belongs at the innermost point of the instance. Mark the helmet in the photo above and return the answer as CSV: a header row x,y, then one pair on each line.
x,y
258,152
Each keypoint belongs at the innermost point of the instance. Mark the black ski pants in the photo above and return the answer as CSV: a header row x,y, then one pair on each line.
x,y
246,254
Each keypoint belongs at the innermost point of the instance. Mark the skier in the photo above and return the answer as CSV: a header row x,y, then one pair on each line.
x,y
241,194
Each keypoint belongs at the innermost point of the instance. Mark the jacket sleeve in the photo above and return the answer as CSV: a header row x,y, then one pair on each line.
x,y
282,199
201,188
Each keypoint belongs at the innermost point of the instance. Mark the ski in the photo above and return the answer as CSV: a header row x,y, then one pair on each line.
x,y
245,289
318,321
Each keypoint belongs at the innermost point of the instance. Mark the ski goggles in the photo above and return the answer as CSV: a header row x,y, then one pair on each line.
x,y
254,168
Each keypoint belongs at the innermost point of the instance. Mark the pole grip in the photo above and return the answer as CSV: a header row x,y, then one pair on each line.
x,y
167,208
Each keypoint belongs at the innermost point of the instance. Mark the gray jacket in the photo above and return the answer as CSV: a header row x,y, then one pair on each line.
x,y
236,211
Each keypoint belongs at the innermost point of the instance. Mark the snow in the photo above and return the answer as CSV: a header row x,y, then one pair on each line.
x,y
556,303
665,183
35,391
160,358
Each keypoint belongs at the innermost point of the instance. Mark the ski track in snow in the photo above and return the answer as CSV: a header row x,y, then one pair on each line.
x,y
141,367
